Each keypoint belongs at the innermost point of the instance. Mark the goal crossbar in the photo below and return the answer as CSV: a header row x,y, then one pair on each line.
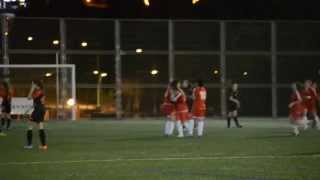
x,y
57,66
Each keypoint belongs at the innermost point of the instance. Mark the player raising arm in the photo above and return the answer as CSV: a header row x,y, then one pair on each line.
x,y
37,117
296,111
167,108
179,98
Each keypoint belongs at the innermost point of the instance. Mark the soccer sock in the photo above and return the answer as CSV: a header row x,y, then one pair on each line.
x,y
42,136
179,128
228,119
3,122
295,130
8,123
317,121
236,121
171,127
191,127
29,137
200,127
167,127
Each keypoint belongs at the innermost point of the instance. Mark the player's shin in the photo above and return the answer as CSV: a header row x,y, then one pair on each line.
x,y
200,128
166,127
171,127
191,127
317,121
42,136
179,128
295,130
8,123
29,137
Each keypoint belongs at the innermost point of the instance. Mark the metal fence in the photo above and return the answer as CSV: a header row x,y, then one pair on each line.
x,y
264,57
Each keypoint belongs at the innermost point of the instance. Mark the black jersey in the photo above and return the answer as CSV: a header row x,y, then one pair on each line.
x,y
6,98
6,102
39,108
37,96
232,106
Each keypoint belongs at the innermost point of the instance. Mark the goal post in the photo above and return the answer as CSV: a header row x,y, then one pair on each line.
x,y
59,85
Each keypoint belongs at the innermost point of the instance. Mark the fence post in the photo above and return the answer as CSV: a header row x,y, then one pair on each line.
x,y
274,69
223,68
118,69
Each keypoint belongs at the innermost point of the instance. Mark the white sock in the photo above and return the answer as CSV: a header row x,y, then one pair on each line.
x,y
171,127
316,118
179,128
200,128
295,130
305,122
166,127
191,127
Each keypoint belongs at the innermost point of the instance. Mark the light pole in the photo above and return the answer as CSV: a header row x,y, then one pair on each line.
x,y
100,77
154,73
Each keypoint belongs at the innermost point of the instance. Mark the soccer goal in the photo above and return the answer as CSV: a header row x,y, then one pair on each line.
x,y
59,82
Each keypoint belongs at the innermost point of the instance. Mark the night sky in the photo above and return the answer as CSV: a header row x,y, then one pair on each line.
x,y
179,9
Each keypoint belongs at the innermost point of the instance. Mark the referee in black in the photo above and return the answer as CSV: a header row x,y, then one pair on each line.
x,y
233,105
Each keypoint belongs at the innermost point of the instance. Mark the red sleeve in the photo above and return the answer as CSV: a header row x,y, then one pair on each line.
x,y
37,93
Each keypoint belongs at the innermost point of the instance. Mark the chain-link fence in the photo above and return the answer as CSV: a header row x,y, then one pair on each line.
x,y
141,56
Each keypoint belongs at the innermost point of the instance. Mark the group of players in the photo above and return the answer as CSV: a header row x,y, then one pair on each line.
x,y
187,118
303,106
37,116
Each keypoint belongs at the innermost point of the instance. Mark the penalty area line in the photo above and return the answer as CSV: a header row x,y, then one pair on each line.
x,y
163,159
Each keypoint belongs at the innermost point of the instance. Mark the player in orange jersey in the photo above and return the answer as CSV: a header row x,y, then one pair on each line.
x,y
198,108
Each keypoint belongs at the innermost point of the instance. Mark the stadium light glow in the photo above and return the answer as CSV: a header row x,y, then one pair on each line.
x,y
55,42
154,72
103,75
216,72
195,1
95,72
48,74
146,3
245,73
29,38
84,44
6,33
71,102
139,51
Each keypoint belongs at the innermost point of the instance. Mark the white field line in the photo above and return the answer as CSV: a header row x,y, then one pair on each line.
x,y
163,159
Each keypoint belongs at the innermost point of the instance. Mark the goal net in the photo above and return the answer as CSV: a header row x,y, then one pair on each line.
x,y
59,82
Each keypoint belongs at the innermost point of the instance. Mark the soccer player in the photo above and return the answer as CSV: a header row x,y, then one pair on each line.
x,y
309,98
5,105
297,110
198,108
233,105
37,117
167,108
179,99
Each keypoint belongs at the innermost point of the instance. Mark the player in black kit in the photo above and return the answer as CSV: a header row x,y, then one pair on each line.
x,y
5,106
37,116
233,105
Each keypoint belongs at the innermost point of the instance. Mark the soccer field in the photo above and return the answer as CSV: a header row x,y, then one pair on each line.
x,y
136,149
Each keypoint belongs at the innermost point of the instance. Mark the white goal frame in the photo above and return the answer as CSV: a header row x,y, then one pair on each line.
x,y
57,66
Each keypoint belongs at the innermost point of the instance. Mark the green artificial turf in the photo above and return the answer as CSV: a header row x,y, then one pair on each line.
x,y
136,149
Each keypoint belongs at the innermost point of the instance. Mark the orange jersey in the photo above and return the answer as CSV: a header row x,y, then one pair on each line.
x,y
297,110
309,98
199,102
182,110
167,106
